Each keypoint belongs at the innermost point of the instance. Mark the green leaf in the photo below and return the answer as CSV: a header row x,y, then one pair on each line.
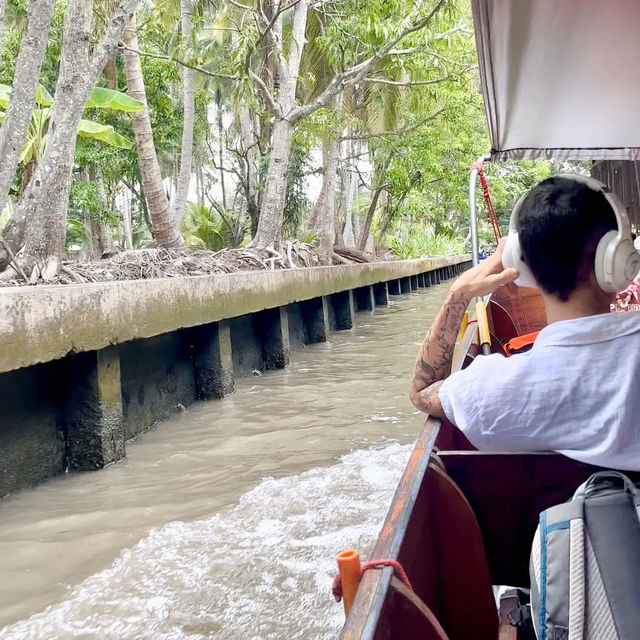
x,y
32,148
5,93
43,97
102,98
103,133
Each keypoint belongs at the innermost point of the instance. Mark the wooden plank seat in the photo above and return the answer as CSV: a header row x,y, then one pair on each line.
x,y
507,491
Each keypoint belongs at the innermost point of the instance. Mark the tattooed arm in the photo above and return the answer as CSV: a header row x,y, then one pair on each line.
x,y
436,353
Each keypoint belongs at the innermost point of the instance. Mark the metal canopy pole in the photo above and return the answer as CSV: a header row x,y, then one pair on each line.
x,y
473,216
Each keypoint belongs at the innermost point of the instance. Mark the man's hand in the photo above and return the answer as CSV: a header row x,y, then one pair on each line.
x,y
485,277
436,354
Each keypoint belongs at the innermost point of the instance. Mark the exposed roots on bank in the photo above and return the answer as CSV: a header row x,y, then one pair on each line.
x,y
144,264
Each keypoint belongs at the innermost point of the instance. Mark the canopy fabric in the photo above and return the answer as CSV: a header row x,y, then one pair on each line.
x,y
560,78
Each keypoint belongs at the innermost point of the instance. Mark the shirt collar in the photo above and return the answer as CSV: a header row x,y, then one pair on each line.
x,y
589,329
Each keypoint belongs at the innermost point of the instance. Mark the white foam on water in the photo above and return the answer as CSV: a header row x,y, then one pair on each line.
x,y
260,571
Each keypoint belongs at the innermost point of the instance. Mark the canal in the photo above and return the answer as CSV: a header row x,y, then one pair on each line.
x,y
223,521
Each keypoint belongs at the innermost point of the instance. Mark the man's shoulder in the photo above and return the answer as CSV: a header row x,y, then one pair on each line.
x,y
590,329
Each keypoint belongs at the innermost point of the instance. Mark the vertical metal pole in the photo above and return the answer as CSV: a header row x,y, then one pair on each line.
x,y
481,312
473,218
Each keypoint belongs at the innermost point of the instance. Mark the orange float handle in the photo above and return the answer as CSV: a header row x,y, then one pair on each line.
x,y
345,584
349,570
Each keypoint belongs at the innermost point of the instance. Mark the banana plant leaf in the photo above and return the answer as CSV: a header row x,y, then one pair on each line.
x,y
104,133
5,93
102,98
43,97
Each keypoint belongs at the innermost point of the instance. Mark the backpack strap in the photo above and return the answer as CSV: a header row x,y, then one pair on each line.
x,y
613,531
596,480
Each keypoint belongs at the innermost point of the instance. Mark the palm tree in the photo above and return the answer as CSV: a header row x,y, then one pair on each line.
x,y
165,227
186,153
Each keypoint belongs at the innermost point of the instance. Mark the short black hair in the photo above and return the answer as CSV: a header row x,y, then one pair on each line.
x,y
559,225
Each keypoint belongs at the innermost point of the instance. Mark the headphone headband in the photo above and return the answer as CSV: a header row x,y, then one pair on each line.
x,y
616,262
619,210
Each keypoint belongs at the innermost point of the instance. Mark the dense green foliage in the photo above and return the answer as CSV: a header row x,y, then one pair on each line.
x,y
409,130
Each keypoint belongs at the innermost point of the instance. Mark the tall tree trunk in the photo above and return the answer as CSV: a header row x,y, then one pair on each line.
x,y
252,161
272,209
366,225
323,219
355,212
47,229
351,224
18,116
111,73
126,220
275,188
165,228
186,153
379,175
221,147
349,187
104,235
45,203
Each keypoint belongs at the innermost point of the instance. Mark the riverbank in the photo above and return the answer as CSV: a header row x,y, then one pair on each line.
x,y
85,368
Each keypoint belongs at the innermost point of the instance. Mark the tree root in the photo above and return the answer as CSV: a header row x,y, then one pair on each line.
x,y
16,265
32,271
74,277
339,259
353,255
144,264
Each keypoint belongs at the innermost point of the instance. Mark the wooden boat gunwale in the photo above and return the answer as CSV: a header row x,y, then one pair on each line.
x,y
375,584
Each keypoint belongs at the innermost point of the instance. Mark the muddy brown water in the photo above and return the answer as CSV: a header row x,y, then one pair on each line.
x,y
224,520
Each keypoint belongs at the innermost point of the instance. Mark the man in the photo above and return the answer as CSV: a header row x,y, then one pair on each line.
x,y
577,391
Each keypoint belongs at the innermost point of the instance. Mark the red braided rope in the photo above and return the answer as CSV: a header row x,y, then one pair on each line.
x,y
336,588
493,216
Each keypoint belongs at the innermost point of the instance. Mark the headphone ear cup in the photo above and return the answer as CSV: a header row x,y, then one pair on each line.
x,y
624,259
512,257
630,259
605,280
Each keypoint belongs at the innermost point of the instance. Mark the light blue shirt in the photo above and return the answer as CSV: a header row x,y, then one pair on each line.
x,y
577,391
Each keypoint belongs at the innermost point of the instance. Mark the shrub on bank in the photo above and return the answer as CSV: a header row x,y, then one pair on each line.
x,y
421,241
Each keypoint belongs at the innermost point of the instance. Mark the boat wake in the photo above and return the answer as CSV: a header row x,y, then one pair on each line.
x,y
260,571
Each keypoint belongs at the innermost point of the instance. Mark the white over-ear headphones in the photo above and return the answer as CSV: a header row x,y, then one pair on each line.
x,y
617,262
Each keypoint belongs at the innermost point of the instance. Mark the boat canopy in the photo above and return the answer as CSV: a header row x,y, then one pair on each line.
x,y
560,78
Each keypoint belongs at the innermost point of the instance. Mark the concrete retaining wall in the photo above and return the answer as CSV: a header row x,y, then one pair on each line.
x,y
85,368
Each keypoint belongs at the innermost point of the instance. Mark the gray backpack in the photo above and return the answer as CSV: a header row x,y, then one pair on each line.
x,y
585,564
